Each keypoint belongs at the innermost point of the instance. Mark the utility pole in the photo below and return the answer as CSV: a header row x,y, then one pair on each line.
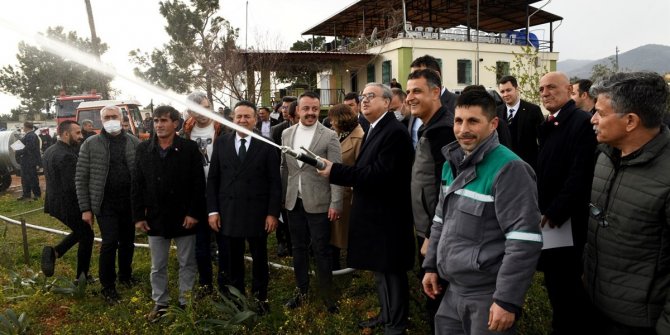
x,y
246,27
616,59
96,47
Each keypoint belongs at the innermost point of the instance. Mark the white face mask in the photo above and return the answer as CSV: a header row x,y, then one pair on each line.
x,y
112,126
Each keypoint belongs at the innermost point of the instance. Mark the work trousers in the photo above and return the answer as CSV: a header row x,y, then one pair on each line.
x,y
160,252
465,314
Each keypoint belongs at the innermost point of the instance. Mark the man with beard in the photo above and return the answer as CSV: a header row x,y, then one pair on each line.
x,y
60,201
312,202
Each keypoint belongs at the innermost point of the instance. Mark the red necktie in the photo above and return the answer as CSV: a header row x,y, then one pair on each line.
x,y
551,118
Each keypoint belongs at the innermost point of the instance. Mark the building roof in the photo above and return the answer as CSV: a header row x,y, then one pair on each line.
x,y
278,60
363,16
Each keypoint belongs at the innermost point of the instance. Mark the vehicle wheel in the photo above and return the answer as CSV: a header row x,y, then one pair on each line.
x,y
5,181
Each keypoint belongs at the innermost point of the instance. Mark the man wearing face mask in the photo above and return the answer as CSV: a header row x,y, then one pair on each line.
x,y
60,162
106,162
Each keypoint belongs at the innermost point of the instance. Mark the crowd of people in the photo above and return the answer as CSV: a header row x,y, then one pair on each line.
x,y
481,195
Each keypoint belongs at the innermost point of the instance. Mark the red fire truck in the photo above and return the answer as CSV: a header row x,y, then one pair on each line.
x,y
66,105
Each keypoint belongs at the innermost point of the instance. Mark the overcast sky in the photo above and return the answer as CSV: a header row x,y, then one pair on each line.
x,y
591,29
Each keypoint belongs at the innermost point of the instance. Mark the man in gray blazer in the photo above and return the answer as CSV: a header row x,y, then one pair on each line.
x,y
312,202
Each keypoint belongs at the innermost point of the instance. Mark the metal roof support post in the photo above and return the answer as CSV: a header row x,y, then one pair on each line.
x,y
527,25
551,36
477,40
468,21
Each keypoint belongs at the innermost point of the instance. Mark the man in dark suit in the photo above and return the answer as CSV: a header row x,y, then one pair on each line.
x,y
523,119
564,175
287,109
265,122
29,158
381,235
60,201
243,200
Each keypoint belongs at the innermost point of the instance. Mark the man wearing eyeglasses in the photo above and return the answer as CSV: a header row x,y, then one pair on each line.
x,y
627,253
381,235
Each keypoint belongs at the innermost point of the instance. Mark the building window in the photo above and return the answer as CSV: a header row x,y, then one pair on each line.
x,y
502,69
464,71
371,73
386,72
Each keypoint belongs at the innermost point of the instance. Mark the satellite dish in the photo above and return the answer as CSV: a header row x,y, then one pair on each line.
x,y
373,36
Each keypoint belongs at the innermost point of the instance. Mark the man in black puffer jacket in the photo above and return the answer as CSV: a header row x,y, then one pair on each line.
x,y
106,162
627,253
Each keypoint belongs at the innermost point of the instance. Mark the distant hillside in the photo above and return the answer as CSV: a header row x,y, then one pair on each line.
x,y
650,57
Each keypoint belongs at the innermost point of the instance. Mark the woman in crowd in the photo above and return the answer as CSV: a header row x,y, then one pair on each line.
x,y
345,123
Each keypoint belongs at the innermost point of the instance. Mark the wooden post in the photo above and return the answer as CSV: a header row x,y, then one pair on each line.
x,y
24,232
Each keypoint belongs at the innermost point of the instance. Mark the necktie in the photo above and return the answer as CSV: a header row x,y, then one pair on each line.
x,y
510,115
243,150
367,136
550,118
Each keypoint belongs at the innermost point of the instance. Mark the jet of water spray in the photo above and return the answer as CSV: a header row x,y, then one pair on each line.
x,y
70,53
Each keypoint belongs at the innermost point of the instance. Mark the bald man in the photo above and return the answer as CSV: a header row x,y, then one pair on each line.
x,y
564,176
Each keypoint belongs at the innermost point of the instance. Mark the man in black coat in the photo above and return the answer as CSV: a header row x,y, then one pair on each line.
x,y
564,175
29,158
523,119
168,200
60,201
448,100
381,234
243,201
289,105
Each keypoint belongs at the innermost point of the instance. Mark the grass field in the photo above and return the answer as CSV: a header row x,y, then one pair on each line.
x,y
26,290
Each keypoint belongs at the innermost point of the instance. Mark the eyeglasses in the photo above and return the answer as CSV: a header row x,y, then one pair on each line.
x,y
599,215
368,96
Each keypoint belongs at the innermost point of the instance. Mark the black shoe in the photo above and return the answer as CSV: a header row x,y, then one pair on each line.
x,y
156,313
129,283
48,261
332,308
282,251
111,296
296,301
21,198
371,322
262,307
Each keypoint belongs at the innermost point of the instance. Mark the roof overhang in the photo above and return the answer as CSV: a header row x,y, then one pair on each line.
x,y
363,16
282,60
